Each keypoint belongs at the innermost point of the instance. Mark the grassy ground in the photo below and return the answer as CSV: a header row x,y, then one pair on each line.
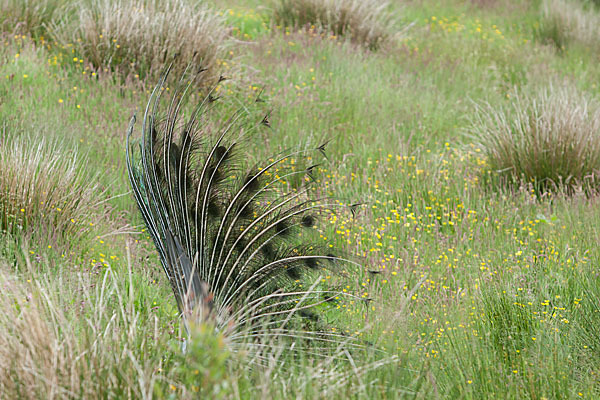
x,y
480,290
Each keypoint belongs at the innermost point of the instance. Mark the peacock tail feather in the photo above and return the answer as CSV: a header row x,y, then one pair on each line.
x,y
233,240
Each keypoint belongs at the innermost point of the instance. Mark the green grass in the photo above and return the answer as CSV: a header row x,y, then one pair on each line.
x,y
482,292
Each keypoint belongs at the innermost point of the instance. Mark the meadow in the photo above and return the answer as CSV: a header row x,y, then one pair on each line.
x,y
469,132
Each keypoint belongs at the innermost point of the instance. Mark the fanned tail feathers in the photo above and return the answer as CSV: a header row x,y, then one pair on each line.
x,y
226,234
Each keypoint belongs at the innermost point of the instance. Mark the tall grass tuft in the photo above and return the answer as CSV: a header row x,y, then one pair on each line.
x,y
143,36
364,21
569,21
58,336
27,16
550,136
44,190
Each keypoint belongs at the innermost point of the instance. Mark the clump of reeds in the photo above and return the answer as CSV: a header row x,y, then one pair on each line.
x,y
550,136
143,36
367,22
44,190
569,21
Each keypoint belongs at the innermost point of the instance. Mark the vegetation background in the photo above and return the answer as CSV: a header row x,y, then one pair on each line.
x,y
470,130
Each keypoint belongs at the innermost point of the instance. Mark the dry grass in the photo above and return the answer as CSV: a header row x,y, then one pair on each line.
x,y
365,21
58,339
566,21
83,336
44,190
28,346
143,36
27,16
551,137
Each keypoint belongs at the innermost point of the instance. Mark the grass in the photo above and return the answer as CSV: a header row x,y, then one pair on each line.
x,y
364,22
548,137
27,16
38,331
566,23
45,191
246,23
476,292
141,37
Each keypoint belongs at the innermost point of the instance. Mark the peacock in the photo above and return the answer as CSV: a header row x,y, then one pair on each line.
x,y
234,239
